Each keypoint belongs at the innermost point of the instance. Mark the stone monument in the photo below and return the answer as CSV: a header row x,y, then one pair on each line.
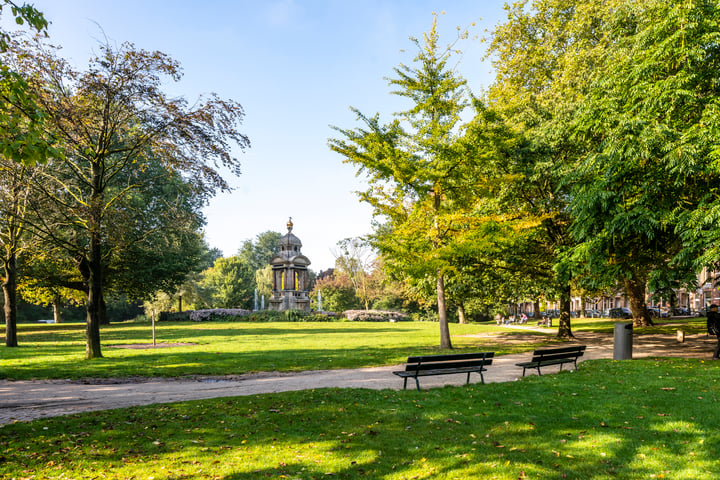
x,y
290,275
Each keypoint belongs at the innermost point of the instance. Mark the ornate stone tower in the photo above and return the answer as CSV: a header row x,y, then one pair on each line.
x,y
290,276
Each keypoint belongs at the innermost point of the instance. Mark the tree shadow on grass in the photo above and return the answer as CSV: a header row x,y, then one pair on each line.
x,y
657,419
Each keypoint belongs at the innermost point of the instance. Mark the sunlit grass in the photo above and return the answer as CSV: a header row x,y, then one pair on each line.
x,y
233,348
650,418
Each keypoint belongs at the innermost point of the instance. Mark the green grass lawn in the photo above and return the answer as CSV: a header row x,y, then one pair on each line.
x,y
224,348
634,419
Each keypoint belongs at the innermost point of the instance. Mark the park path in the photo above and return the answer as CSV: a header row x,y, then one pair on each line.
x,y
29,400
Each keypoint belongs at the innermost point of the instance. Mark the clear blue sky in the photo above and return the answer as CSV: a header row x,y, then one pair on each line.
x,y
296,67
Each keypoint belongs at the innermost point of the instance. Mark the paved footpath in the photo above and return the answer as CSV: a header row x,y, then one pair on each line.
x,y
29,400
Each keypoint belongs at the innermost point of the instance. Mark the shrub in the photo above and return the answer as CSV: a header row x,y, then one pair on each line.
x,y
375,316
204,315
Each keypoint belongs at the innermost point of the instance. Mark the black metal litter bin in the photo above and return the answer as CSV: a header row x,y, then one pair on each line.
x,y
623,341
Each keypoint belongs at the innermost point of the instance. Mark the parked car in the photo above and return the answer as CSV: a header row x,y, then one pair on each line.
x,y
590,313
657,312
619,313
680,312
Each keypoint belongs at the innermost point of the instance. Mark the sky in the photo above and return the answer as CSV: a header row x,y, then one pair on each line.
x,y
296,67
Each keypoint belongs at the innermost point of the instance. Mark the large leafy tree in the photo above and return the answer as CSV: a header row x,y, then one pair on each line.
x,y
22,139
647,206
114,121
415,169
15,191
229,283
544,56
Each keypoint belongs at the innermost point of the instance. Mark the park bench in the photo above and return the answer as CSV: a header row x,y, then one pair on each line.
x,y
553,356
426,365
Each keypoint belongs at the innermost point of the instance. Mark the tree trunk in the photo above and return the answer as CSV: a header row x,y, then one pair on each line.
x,y
94,269
104,320
10,293
564,330
442,313
536,309
635,290
461,314
93,349
57,309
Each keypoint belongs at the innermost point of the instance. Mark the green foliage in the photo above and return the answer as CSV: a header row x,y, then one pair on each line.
x,y
650,418
263,281
258,253
23,138
133,162
24,14
229,283
415,167
652,177
338,293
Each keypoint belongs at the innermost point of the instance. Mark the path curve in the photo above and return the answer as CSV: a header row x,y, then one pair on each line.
x,y
29,400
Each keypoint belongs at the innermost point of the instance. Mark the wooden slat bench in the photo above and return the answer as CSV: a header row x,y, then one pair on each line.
x,y
426,365
553,356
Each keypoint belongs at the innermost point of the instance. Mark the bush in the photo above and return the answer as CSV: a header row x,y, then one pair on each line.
x,y
239,315
204,315
375,316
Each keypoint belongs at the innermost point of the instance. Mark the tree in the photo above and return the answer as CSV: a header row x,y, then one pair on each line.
x,y
338,293
356,260
258,253
648,190
15,179
263,281
229,283
49,277
22,136
544,57
114,121
414,167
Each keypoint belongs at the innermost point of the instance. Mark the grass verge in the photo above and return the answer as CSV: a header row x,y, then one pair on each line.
x,y
651,418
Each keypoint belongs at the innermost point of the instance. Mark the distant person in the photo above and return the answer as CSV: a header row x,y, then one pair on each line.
x,y
523,318
713,326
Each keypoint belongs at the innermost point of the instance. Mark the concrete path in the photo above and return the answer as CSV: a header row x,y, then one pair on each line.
x,y
28,400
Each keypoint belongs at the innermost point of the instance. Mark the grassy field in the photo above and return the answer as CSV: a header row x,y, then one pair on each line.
x,y
637,419
222,348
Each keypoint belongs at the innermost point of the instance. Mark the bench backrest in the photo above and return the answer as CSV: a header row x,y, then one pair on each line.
x,y
457,360
558,353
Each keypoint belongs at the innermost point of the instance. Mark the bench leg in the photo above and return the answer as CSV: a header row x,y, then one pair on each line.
x,y
468,379
405,383
538,369
417,383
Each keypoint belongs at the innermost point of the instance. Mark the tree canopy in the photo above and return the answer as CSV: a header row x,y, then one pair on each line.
x,y
135,163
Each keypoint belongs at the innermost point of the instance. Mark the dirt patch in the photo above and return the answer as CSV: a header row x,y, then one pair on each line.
x,y
142,346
